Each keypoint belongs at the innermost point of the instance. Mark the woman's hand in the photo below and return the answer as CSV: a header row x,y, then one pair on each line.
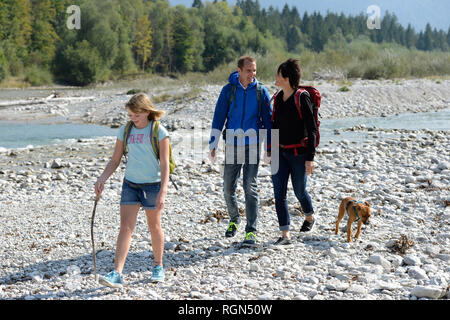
x,y
309,166
267,156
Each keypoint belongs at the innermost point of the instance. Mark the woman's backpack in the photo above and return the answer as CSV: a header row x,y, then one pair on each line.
x,y
316,98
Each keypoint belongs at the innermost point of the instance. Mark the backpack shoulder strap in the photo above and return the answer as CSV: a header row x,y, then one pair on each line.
x,y
274,97
231,96
154,137
297,95
259,90
126,134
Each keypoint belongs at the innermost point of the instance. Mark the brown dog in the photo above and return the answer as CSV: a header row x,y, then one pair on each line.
x,y
357,211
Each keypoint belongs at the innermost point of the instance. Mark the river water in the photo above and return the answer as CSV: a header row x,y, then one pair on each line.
x,y
22,135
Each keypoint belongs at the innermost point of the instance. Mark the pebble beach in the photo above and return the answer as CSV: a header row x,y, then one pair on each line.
x,y
47,198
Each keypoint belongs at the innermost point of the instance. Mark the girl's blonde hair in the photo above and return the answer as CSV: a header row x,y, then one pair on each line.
x,y
140,102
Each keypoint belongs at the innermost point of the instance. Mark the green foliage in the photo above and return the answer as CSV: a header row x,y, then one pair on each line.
x,y
80,64
183,42
3,65
37,76
143,40
44,37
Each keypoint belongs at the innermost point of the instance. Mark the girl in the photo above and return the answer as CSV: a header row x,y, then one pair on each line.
x,y
297,162
145,184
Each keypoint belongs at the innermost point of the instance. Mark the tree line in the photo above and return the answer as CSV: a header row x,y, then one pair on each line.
x,y
314,30
124,37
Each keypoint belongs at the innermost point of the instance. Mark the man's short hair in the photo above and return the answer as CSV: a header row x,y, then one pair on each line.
x,y
242,60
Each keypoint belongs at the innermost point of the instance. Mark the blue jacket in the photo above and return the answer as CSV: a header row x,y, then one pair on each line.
x,y
243,110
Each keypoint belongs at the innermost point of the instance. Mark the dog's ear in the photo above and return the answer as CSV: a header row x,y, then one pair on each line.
x,y
367,204
362,209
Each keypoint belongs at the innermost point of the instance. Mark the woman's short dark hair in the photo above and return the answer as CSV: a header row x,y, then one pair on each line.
x,y
291,69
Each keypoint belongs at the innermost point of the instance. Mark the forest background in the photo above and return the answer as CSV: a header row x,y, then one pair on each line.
x,y
120,39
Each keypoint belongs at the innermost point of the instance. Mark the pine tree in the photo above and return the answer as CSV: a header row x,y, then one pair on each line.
x,y
448,37
440,40
293,38
143,40
428,38
197,4
410,38
183,42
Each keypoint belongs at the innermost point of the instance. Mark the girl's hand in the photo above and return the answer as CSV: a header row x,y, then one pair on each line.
x,y
99,186
160,199
309,166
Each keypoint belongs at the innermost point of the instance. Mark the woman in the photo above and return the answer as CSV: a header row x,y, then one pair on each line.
x,y
145,184
294,160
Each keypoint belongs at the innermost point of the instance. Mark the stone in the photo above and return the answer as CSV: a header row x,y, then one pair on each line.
x,y
379,260
417,273
433,292
356,289
57,164
411,260
336,285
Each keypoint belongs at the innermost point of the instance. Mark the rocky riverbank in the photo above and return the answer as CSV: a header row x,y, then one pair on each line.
x,y
46,200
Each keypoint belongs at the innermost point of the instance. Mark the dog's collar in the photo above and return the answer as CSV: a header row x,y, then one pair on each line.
x,y
354,208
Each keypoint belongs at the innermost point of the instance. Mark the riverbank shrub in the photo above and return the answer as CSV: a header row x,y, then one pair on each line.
x,y
36,76
3,66
80,64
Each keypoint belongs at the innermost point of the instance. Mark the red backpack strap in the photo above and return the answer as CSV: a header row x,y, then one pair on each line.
x,y
297,95
273,107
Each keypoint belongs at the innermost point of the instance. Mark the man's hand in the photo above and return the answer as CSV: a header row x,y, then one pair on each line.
x,y
212,156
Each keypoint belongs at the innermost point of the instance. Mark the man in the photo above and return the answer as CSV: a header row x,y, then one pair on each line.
x,y
245,106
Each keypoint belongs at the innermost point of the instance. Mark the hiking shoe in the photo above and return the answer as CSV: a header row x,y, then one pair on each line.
x,y
231,230
307,225
282,241
250,239
112,280
157,274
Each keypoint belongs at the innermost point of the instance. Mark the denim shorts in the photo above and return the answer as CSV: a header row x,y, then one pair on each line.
x,y
140,193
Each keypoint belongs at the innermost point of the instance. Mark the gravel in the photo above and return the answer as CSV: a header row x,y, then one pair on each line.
x,y
46,201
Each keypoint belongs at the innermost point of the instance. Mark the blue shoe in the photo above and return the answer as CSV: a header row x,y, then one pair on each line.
x,y
112,279
158,274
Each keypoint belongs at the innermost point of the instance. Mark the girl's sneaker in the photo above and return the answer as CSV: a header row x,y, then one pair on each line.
x,y
157,274
112,280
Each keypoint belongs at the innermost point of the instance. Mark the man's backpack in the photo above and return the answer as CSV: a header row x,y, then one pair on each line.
x,y
316,98
154,138
259,89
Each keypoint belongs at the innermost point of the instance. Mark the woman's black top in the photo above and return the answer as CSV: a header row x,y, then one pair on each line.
x,y
292,128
